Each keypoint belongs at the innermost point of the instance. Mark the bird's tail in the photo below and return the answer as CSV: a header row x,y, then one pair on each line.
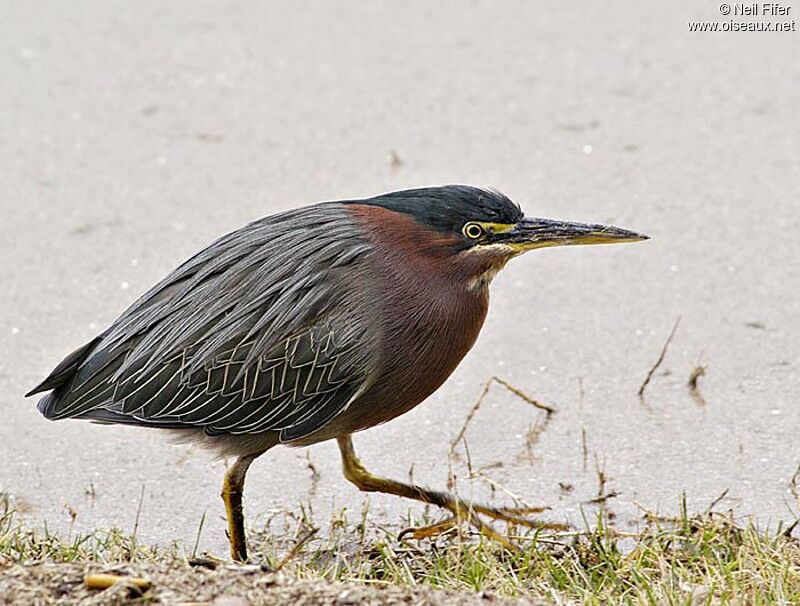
x,y
59,377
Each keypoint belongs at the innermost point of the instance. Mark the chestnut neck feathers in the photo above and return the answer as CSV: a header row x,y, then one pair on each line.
x,y
431,316
446,209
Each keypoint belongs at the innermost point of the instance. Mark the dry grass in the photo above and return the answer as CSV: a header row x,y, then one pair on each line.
x,y
691,560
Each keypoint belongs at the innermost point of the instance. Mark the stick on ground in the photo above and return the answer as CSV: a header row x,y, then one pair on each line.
x,y
297,547
584,449
694,390
660,358
104,581
520,394
533,402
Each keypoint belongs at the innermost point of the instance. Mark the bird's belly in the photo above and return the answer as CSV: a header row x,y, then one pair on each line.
x,y
379,404
410,373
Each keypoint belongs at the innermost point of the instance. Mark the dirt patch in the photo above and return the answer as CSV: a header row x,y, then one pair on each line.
x,y
230,585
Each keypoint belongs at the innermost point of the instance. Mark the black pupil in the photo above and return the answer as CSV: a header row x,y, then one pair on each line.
x,y
473,231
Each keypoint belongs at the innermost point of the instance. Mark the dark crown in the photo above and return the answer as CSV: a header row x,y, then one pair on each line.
x,y
449,207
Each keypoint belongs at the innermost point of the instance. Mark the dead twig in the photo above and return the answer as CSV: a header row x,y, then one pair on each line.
x,y
602,498
296,548
491,465
790,529
660,359
138,515
532,401
470,414
557,537
716,501
204,562
484,392
793,485
602,481
694,391
532,436
602,478
584,449
470,473
199,532
315,475
519,502
395,161
104,581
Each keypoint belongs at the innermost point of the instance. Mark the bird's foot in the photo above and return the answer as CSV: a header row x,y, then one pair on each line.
x,y
427,532
461,510
469,513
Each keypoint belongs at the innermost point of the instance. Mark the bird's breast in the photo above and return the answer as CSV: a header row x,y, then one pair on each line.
x,y
430,318
423,344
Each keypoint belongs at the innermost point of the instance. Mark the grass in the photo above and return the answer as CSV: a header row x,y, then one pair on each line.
x,y
707,558
691,559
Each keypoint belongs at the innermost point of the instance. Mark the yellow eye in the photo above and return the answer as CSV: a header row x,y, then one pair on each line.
x,y
473,231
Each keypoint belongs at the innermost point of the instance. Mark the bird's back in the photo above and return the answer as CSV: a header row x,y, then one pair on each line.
x,y
262,330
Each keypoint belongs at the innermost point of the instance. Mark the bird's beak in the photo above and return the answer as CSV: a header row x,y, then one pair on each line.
x,y
533,233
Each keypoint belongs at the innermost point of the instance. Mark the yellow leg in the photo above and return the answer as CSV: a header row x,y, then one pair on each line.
x,y
462,510
232,490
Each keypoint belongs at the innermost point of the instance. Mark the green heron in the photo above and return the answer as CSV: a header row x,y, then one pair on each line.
x,y
309,325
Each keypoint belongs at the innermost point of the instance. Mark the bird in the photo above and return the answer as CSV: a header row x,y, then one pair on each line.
x,y
311,325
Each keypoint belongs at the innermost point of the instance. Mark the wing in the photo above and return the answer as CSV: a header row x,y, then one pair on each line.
x,y
266,329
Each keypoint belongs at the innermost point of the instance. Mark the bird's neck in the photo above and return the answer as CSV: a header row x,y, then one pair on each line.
x,y
430,318
430,259
435,298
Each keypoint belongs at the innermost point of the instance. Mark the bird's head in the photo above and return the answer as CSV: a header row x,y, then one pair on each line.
x,y
482,229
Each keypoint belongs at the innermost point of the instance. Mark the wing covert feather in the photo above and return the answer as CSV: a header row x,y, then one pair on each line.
x,y
263,330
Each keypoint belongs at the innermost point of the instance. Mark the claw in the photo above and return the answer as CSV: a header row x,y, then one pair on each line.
x,y
468,512
515,515
521,511
426,532
462,511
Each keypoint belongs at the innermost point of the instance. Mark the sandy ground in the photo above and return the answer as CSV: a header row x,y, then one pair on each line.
x,y
63,584
134,134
